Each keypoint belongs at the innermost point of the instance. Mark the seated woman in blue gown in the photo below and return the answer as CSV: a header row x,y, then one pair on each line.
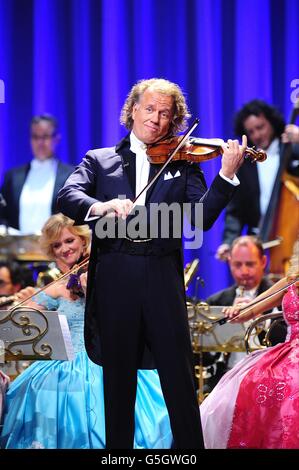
x,y
59,404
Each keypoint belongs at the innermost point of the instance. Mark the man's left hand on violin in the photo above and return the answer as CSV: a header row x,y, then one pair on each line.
x,y
232,157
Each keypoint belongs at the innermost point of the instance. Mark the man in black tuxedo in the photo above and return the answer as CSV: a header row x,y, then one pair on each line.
x,y
265,129
247,263
30,191
136,304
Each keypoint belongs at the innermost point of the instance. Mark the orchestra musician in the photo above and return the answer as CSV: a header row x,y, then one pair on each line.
x,y
255,405
136,305
265,128
29,191
247,262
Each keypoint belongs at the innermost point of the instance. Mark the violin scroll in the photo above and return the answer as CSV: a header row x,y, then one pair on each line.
x,y
74,283
257,155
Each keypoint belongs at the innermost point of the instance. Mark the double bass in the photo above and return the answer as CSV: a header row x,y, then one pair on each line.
x,y
281,220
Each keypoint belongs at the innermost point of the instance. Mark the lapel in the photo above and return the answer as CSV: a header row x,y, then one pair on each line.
x,y
19,180
154,168
264,285
128,160
250,183
231,294
59,182
128,165
281,149
253,175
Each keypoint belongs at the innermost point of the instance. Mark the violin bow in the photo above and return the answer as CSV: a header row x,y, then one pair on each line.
x,y
175,151
224,320
72,270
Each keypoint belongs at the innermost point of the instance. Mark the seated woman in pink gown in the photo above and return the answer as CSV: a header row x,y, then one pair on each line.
x,y
256,404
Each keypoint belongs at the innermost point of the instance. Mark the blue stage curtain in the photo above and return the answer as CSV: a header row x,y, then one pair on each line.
x,y
77,59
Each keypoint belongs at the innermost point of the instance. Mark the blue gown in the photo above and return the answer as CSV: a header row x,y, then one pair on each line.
x,y
60,404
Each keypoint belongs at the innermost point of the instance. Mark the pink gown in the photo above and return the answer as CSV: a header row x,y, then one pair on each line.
x,y
256,404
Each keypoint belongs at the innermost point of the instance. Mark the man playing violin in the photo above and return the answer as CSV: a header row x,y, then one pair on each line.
x,y
136,312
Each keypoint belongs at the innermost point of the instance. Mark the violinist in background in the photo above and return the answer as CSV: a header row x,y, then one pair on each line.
x,y
265,128
59,404
255,405
136,304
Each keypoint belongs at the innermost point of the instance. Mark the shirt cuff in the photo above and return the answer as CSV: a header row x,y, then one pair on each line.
x,y
235,181
89,217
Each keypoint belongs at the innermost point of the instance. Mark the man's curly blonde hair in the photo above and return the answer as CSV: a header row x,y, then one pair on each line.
x,y
160,85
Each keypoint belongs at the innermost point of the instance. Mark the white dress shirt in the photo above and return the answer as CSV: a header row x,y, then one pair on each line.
x,y
267,173
142,167
236,357
37,194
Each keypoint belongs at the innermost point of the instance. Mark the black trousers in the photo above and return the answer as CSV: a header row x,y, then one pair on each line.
x,y
140,300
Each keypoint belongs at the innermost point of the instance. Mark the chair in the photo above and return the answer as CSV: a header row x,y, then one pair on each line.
x,y
252,339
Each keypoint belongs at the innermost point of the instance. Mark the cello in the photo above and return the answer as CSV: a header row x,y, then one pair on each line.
x,y
282,217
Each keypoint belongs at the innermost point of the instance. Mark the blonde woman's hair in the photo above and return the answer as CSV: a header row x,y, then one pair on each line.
x,y
160,85
52,229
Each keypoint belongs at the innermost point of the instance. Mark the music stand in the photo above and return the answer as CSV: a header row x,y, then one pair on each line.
x,y
209,337
27,333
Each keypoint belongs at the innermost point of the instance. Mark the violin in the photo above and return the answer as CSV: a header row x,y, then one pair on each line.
x,y
74,270
74,283
188,148
195,150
